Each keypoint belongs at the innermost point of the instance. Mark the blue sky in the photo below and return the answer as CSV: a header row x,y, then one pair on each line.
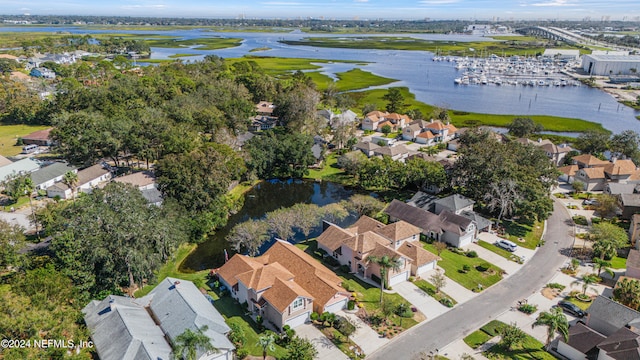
x,y
340,9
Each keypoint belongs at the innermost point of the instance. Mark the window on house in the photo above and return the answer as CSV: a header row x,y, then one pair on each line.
x,y
298,303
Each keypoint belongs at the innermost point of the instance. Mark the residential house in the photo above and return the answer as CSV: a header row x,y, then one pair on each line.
x,y
620,170
630,204
429,132
88,179
368,148
612,188
455,203
607,316
375,120
346,118
582,344
265,108
426,138
633,264
593,178
396,153
442,132
568,173
50,174
126,328
588,161
368,238
423,201
383,140
453,145
624,344
20,167
40,138
263,122
556,153
284,285
447,226
411,131
145,181
41,72
634,231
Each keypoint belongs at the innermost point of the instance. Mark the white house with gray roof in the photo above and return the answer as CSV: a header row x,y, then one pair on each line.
x,y
50,174
125,328
607,316
20,167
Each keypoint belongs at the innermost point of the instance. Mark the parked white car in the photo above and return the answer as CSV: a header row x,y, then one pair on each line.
x,y
507,245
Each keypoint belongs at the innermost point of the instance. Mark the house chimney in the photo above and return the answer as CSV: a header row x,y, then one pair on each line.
x,y
432,120
177,282
112,303
613,159
539,140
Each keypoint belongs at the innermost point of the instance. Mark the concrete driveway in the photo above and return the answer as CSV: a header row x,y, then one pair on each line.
x,y
326,349
489,304
418,298
368,340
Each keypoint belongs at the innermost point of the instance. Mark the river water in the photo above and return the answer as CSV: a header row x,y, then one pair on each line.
x,y
431,82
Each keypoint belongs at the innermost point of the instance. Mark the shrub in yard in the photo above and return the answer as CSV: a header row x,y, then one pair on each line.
x,y
345,269
242,353
483,267
580,220
472,254
596,220
556,286
314,316
446,302
351,305
465,268
528,308
404,310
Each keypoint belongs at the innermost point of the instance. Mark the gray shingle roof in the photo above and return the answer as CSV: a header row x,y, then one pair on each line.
x,y
50,172
614,313
630,199
153,195
455,202
584,338
122,329
423,200
428,221
179,305
23,166
624,344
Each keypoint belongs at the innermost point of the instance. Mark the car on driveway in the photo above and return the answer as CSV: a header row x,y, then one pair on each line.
x,y
571,308
507,245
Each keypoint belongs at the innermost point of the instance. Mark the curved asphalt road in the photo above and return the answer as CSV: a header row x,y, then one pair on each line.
x,y
473,314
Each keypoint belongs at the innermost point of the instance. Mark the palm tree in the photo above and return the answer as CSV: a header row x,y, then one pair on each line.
x,y
627,292
601,265
586,280
28,188
555,321
70,179
187,344
266,342
386,263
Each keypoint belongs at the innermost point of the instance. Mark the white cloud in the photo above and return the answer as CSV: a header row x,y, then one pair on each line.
x,y
152,6
438,2
361,1
554,3
281,3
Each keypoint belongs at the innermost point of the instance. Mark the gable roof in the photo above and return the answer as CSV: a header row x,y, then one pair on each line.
x,y
620,188
178,305
428,221
85,176
121,329
452,129
398,230
265,107
436,125
333,237
620,167
416,253
616,314
264,276
455,202
38,135
413,127
426,135
238,264
593,173
423,200
366,145
321,283
630,199
364,224
50,172
365,242
633,260
138,179
4,161
391,150
283,293
569,170
584,338
23,166
624,344
589,160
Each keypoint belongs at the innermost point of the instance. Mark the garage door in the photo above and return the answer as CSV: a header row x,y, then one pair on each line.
x,y
396,279
426,267
298,320
333,308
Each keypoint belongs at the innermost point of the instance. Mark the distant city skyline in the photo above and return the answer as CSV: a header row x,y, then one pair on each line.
x,y
336,9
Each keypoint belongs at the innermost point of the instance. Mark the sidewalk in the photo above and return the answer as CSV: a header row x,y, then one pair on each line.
x,y
457,291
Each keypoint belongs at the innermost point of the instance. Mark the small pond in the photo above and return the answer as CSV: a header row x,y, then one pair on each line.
x,y
263,198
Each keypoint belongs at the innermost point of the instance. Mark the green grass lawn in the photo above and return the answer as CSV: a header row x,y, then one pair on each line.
x,y
584,305
529,349
212,43
530,234
355,79
174,56
171,269
234,314
618,263
9,134
500,251
427,287
463,118
329,168
452,264
476,339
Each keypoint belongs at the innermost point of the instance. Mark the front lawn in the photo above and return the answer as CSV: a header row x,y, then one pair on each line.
x,y
618,263
233,313
476,339
427,287
9,135
527,236
529,349
453,265
369,296
584,305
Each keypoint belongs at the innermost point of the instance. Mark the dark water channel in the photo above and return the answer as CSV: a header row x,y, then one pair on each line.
x,y
263,198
